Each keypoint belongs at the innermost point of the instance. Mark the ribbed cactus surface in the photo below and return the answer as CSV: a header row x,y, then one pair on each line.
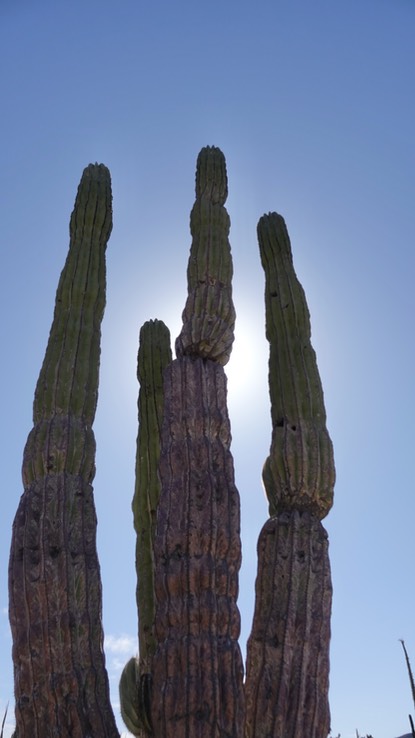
x,y
299,473
197,666
61,685
286,683
287,662
154,355
209,314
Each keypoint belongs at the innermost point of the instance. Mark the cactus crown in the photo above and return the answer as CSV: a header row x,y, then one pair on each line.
x,y
68,380
211,177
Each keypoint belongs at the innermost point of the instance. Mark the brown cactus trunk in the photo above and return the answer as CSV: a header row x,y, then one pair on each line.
x,y
61,684
287,665
197,666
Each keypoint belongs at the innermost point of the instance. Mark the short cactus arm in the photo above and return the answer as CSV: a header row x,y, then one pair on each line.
x,y
61,685
299,472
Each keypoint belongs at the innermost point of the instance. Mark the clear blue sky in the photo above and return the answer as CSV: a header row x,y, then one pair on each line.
x,y
313,105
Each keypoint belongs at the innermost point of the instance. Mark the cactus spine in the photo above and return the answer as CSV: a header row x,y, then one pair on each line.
x,y
197,666
288,661
61,685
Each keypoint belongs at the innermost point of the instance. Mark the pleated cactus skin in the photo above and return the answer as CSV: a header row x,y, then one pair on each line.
x,y
154,355
287,674
299,472
209,314
287,655
135,694
61,685
197,666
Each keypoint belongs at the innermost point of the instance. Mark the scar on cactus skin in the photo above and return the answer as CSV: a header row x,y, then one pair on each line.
x,y
61,685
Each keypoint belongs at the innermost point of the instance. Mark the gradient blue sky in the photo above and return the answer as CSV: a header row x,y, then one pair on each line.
x,y
313,105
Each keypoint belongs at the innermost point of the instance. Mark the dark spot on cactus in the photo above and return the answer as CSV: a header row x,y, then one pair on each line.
x,y
203,712
274,294
176,555
54,551
293,427
34,556
279,423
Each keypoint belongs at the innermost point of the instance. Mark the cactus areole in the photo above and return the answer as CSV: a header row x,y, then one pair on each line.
x,y
61,684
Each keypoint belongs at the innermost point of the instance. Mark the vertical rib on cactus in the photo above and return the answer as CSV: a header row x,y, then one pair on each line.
x,y
154,355
287,655
61,685
197,666
209,314
286,684
299,472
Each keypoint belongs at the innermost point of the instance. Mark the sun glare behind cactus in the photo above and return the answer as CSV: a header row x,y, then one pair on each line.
x,y
247,366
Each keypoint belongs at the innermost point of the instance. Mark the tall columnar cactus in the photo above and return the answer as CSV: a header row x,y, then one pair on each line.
x,y
61,685
154,355
288,649
197,666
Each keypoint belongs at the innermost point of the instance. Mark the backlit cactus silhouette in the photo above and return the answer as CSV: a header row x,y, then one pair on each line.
x,y
288,649
187,679
197,665
61,686
154,355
